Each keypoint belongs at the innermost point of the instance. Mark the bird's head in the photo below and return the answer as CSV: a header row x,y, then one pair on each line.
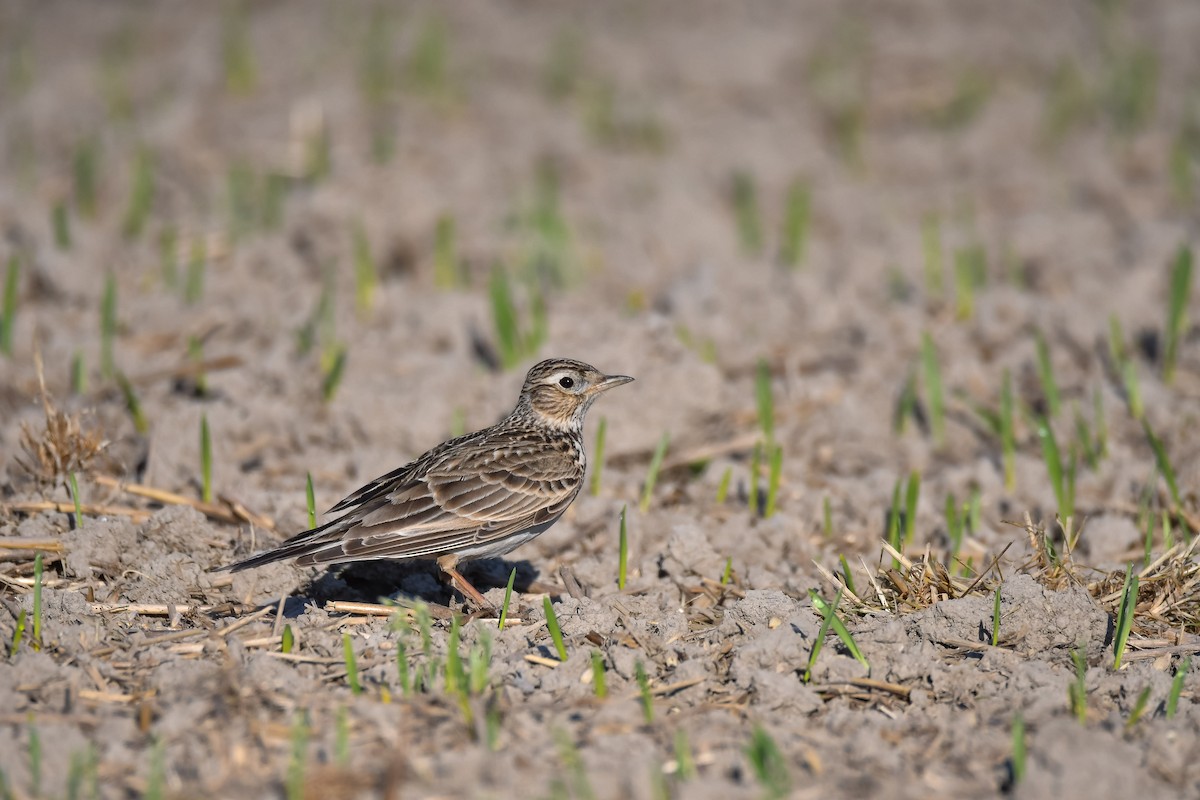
x,y
559,391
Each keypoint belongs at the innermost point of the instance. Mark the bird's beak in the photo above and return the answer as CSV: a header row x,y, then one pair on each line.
x,y
610,382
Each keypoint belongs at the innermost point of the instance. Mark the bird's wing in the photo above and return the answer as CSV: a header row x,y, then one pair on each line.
x,y
456,500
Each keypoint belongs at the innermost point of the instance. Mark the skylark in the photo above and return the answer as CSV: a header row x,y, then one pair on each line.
x,y
475,496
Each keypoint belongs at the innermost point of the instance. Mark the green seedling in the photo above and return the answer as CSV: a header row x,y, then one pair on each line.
x,y
996,618
310,500
775,475
599,680
288,640
295,788
1124,623
61,223
168,256
74,778
196,354
35,759
18,634
912,494
796,218
1177,303
1077,688
656,461
1139,707
727,572
508,590
838,81
428,70
514,341
954,525
37,602
243,211
555,631
579,785
847,575
829,612
108,326
685,765
458,422
765,400
83,167
140,423
351,665
768,764
455,677
73,483
1018,748
341,738
156,779
647,696
1062,475
237,59
723,485
622,552
365,273
377,82
403,675
78,374
141,198
1181,671
446,268
970,274
893,531
598,456
206,491
1126,368
1067,102
8,313
906,403
546,234
1164,464
197,265
1045,370
934,395
332,378
931,246
1101,426
745,209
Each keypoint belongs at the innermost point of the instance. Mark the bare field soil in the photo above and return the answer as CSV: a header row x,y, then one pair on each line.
x,y
884,273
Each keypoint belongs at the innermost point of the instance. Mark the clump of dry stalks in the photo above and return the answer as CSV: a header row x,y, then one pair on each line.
x,y
63,447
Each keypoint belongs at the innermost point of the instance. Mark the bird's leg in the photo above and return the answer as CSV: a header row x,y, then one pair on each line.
x,y
449,565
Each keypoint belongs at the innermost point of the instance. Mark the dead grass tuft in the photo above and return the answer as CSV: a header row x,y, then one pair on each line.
x,y
62,447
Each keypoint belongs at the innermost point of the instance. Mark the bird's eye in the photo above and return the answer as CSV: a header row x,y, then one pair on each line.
x,y
566,381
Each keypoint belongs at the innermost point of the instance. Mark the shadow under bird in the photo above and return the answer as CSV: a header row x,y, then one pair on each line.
x,y
480,495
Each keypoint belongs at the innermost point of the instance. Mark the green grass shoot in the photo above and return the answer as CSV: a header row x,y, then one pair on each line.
x,y
288,641
73,483
332,378
656,461
727,572
1062,476
829,612
84,176
765,400
996,618
60,221
108,326
133,404
931,247
1164,464
508,590
78,374
893,531
428,69
1177,303
1008,437
1126,367
296,783
796,218
206,490
1018,748
906,404
774,477
685,764
341,738
197,266
622,552
755,467
446,268
827,517
1181,671
598,456
456,676
954,525
514,341
35,759
1045,370
8,312
768,764
934,395
970,274
647,696
599,680
351,665
1077,688
745,209
847,575
403,676
1139,708
141,197
366,277
912,494
237,58
310,500
723,486
37,601
156,777
555,631
18,634
1124,623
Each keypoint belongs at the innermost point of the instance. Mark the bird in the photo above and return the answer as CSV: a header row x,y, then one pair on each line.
x,y
479,495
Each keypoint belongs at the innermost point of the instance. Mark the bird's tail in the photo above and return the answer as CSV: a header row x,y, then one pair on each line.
x,y
301,544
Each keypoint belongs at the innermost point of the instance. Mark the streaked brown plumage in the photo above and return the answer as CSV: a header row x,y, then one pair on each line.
x,y
474,496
